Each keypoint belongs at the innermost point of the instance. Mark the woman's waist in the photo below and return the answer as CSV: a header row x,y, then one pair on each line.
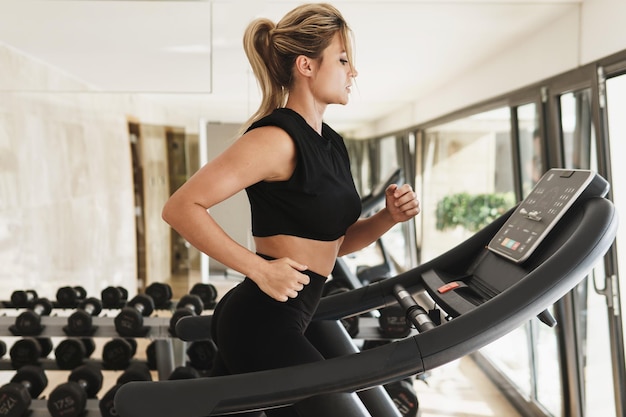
x,y
318,256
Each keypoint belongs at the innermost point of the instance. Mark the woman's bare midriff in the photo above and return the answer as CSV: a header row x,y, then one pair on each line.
x,y
319,256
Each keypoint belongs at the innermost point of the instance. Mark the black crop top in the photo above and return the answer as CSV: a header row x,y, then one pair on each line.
x,y
320,200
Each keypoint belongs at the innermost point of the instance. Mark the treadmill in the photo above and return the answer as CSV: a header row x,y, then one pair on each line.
x,y
507,273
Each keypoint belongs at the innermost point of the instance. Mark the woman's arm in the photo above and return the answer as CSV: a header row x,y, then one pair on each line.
x,y
401,204
242,164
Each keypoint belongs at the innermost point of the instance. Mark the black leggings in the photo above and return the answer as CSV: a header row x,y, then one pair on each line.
x,y
254,332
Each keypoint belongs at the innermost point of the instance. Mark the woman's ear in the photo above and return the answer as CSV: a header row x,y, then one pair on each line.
x,y
304,65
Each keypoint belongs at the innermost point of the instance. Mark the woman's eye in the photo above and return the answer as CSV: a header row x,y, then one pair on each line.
x,y
343,61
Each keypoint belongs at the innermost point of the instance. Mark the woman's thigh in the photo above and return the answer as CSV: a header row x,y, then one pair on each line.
x,y
255,332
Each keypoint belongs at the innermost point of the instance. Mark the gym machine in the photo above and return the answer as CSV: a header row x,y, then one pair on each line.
x,y
505,274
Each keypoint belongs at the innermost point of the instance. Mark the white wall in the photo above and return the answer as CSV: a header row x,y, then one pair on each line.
x,y
602,29
67,211
593,31
233,215
65,218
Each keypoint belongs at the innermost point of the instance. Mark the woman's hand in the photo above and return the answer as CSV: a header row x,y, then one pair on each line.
x,y
401,202
282,279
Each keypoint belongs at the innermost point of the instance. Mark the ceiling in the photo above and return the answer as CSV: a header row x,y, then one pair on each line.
x,y
190,52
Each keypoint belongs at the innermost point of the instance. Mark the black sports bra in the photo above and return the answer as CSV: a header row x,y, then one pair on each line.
x,y
320,200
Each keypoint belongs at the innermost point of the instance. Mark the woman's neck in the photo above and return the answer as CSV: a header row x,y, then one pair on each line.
x,y
311,111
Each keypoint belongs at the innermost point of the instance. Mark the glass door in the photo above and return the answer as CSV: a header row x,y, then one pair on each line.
x,y
586,329
615,88
584,339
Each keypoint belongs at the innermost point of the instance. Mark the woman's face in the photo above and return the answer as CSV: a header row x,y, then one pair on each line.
x,y
334,75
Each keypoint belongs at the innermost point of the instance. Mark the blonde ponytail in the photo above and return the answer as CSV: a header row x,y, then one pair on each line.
x,y
257,45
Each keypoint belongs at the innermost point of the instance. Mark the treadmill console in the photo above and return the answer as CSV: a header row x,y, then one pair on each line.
x,y
533,219
512,242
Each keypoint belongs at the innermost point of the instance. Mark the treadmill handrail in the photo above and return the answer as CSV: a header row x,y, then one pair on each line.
x,y
251,391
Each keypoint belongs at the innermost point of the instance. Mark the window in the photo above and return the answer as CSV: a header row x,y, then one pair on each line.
x,y
467,178
530,145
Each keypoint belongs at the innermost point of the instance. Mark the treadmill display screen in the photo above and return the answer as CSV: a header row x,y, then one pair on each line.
x,y
533,219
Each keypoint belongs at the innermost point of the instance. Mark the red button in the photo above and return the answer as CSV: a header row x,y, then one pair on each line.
x,y
448,287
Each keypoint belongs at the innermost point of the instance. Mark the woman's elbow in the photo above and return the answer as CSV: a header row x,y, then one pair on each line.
x,y
167,213
344,250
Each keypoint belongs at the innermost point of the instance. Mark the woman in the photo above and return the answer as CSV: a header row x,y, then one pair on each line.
x,y
296,172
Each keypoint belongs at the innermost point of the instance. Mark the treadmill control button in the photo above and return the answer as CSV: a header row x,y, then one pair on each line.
x,y
449,287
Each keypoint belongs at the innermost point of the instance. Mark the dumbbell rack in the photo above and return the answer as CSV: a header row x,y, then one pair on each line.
x,y
157,329
39,408
103,325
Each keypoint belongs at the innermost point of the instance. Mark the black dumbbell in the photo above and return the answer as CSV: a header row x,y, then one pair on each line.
x,y
114,297
117,353
129,321
69,297
22,299
188,305
71,353
184,372
29,351
393,323
80,322
404,396
201,354
161,294
16,396
135,372
207,292
28,323
70,398
151,356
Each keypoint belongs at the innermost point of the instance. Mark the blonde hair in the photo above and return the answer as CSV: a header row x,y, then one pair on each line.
x,y
273,48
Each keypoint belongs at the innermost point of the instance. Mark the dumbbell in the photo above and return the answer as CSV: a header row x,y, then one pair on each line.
x,y
404,396
29,351
80,322
117,353
70,398
28,323
161,295
201,354
16,396
135,372
114,297
22,299
69,297
206,292
71,353
393,323
151,356
188,305
129,321
3,348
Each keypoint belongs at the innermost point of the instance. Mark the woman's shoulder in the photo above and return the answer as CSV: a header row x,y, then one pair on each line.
x,y
278,126
269,140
